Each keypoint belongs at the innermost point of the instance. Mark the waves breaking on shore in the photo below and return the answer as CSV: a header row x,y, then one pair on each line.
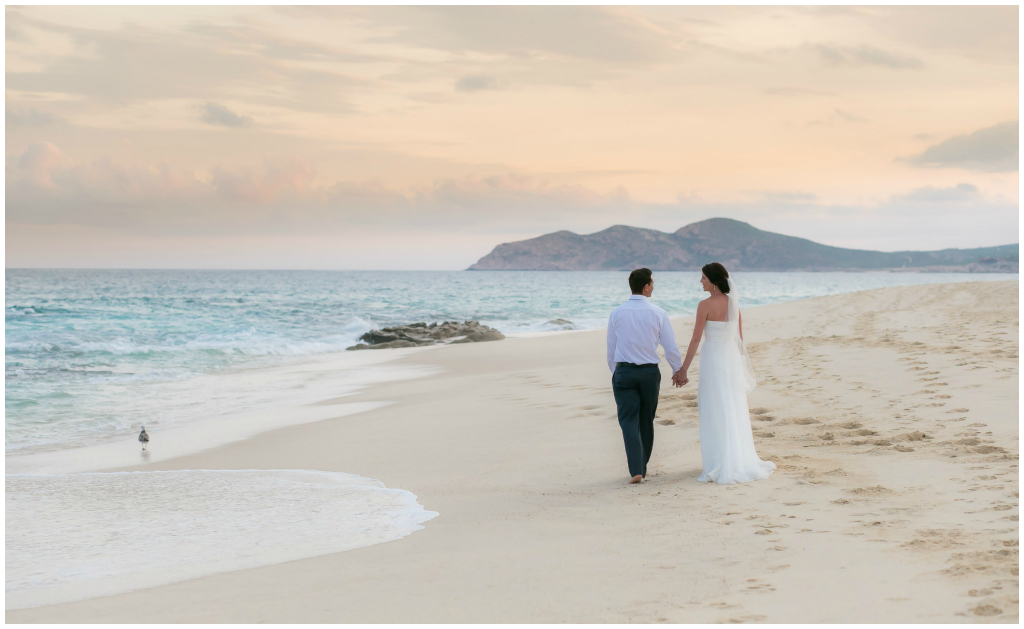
x,y
134,530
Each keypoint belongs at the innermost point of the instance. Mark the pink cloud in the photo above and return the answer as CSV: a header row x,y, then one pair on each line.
x,y
38,162
292,179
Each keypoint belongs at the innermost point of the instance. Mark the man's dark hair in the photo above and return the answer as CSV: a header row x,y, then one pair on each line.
x,y
638,279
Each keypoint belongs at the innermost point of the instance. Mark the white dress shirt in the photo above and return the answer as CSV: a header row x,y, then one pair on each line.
x,y
634,331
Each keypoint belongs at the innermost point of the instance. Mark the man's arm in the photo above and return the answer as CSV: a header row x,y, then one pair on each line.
x,y
611,341
668,341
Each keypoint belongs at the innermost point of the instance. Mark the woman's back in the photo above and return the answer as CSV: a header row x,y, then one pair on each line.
x,y
717,307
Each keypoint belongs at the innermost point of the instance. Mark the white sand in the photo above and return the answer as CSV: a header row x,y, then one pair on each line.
x,y
516,445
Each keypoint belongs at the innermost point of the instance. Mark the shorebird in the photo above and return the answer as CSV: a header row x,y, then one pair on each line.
x,y
143,438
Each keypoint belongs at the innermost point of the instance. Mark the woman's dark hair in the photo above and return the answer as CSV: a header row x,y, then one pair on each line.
x,y
638,279
717,275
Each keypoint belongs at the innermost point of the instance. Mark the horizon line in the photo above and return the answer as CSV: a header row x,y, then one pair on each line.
x,y
466,270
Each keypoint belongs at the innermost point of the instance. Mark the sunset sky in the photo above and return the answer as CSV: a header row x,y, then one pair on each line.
x,y
420,137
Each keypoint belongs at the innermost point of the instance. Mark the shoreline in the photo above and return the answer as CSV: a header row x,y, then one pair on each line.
x,y
349,375
515,445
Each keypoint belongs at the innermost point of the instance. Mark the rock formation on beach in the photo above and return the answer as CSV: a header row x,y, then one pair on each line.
x,y
738,245
417,334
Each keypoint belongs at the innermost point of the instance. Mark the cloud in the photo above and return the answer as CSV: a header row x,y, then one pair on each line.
x,y
43,182
44,186
111,67
477,83
992,149
848,117
838,116
28,118
37,163
222,116
599,34
930,194
794,91
795,197
989,34
864,55
277,180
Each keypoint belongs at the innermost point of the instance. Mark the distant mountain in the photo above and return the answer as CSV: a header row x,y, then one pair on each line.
x,y
737,245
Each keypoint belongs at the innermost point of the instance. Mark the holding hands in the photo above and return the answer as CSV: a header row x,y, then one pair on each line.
x,y
679,378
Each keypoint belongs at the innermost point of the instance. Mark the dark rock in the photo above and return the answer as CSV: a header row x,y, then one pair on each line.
x,y
419,334
378,336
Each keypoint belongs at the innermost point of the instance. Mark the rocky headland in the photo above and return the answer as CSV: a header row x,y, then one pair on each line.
x,y
738,245
419,334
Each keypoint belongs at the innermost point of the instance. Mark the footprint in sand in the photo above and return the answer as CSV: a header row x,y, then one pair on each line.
x,y
745,619
986,610
877,490
757,585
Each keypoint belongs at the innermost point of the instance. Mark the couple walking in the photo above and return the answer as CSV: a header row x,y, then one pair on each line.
x,y
636,328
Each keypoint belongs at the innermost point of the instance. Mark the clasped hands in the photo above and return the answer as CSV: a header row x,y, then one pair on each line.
x,y
679,378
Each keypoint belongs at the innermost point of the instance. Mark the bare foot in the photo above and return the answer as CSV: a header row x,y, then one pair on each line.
x,y
636,479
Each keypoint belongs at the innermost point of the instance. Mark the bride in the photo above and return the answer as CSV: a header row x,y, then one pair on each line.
x,y
726,377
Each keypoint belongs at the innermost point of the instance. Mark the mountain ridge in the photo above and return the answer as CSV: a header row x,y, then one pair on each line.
x,y
738,245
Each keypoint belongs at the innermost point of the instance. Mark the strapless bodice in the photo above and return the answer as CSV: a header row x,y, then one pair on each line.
x,y
714,330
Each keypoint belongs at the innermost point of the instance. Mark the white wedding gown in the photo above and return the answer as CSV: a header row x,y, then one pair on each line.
x,y
726,441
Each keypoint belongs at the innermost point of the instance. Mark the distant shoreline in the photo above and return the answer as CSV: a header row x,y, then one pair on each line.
x,y
956,269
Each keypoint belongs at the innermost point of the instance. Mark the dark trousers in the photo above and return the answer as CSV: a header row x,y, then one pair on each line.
x,y
636,395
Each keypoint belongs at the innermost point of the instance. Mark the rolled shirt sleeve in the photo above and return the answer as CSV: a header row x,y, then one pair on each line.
x,y
668,341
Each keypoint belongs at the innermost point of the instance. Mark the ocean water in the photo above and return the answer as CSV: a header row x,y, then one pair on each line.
x,y
92,355
134,530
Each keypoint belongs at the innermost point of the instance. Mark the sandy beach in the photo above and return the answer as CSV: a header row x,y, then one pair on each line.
x,y
892,416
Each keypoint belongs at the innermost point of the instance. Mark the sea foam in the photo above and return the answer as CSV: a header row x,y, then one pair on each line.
x,y
76,536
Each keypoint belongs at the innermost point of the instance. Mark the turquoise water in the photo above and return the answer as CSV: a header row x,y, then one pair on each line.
x,y
91,355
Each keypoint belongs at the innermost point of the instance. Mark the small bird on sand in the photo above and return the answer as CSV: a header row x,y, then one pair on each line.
x,y
143,438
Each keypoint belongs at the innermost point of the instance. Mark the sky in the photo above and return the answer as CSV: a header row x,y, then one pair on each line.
x,y
421,137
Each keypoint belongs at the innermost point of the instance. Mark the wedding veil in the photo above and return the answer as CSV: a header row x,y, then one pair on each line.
x,y
733,325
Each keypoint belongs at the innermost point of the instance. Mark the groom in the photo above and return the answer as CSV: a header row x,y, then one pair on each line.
x,y
634,331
